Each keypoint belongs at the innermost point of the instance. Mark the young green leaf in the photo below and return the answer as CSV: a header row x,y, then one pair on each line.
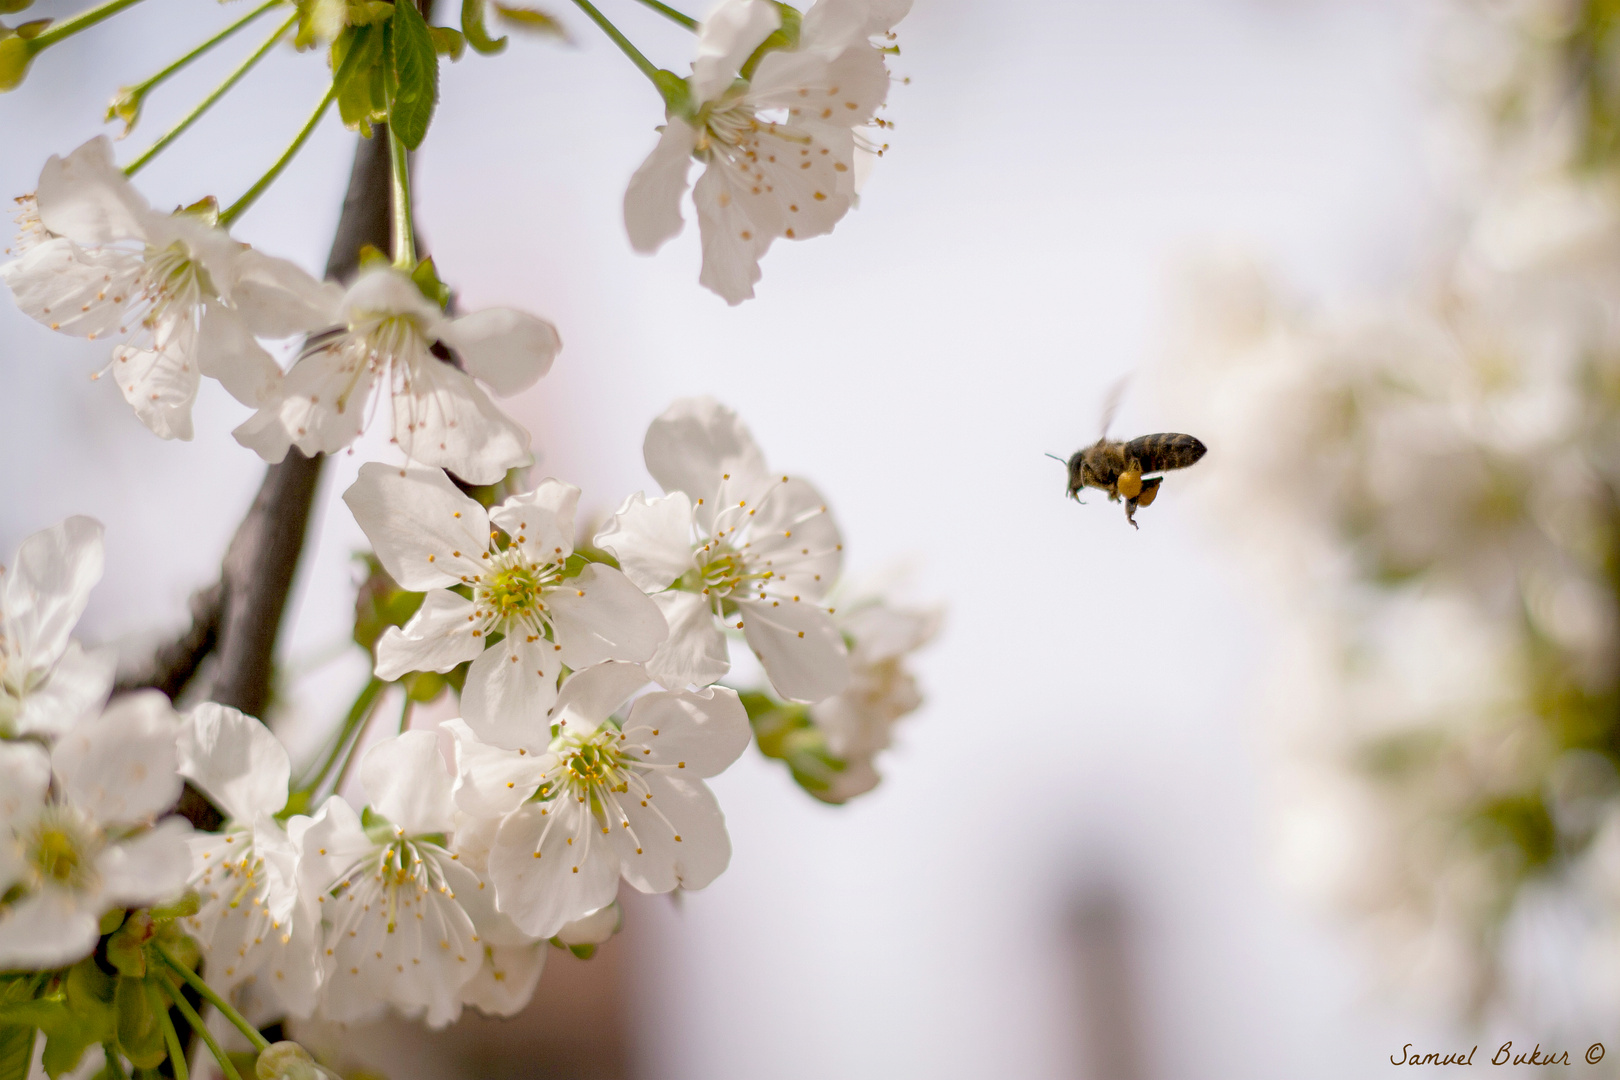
x,y
472,26
356,54
414,67
448,42
533,20
16,1052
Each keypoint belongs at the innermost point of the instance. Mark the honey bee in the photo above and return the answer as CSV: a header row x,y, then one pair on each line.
x,y
1122,468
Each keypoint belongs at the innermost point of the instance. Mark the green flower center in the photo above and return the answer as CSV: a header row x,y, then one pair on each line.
x,y
513,590
62,851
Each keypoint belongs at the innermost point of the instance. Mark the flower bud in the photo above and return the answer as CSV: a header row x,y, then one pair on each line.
x,y
14,58
289,1061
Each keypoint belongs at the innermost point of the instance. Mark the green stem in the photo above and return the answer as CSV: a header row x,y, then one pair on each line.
x,y
404,231
619,39
141,88
115,1068
84,20
251,195
201,1029
260,1043
405,715
353,745
358,713
208,102
177,1055
671,14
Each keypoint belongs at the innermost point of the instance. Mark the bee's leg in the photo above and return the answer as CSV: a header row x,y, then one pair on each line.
x,y
1130,513
1130,481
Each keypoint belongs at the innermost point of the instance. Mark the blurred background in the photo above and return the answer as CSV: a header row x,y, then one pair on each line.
x,y
1122,840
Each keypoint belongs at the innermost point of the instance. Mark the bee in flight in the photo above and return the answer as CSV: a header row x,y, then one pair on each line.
x,y
1122,469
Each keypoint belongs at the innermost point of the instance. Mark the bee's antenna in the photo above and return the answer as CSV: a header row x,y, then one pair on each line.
x,y
1054,457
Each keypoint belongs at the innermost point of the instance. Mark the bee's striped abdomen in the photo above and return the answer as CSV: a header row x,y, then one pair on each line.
x,y
1165,451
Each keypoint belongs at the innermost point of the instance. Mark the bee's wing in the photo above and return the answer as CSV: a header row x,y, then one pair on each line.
x,y
1111,401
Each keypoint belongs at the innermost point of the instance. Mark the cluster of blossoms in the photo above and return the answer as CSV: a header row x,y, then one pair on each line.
x,y
143,850
1433,490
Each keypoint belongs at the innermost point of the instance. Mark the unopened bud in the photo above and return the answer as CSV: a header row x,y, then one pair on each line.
x,y
289,1061
14,58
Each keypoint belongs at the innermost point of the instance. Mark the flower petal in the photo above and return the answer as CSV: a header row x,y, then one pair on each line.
x,y
277,299
123,766
321,407
235,761
734,240
600,615
48,929
86,197
47,589
72,290
799,645
227,351
541,522
491,781
542,881
160,384
726,38
426,533
695,652
25,777
438,637
694,444
510,689
408,783
147,868
652,202
507,980
651,538
445,420
699,733
509,350
591,696
796,535
683,843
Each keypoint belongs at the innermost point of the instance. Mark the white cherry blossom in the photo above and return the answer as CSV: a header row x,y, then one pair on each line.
x,y
256,930
76,830
779,149
858,721
47,681
430,536
389,339
399,908
95,260
732,545
604,798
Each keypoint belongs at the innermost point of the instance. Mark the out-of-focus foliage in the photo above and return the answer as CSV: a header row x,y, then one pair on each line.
x,y
1432,488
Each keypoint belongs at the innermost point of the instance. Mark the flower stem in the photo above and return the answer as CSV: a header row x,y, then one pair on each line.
x,y
671,14
620,40
84,20
115,1068
260,1043
239,207
405,715
359,712
141,88
404,230
201,1029
177,1055
208,102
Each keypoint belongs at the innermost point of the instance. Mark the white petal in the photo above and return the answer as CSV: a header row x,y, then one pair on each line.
x,y
491,782
594,929
122,766
46,589
235,761
510,689
694,444
408,782
86,197
799,645
74,291
832,24
48,929
328,845
543,518
798,538
445,420
684,843
728,35
321,407
600,615
591,696
25,776
76,688
651,538
437,638
652,202
160,384
426,533
700,734
277,298
734,240
695,652
150,867
509,350
226,351
507,980
385,292
543,882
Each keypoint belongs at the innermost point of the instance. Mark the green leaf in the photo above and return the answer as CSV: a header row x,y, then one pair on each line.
x,y
448,42
353,77
426,279
472,27
140,1032
16,1052
533,20
11,7
414,67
